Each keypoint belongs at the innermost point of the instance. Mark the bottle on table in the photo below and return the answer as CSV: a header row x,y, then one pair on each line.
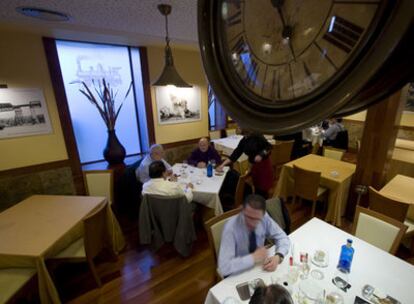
x,y
209,169
345,258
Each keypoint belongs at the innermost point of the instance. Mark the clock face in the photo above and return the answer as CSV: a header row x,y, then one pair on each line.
x,y
279,66
286,51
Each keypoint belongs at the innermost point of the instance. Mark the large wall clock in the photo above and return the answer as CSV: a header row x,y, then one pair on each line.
x,y
278,66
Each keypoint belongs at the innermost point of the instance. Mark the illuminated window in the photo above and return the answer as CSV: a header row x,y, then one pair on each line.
x,y
119,66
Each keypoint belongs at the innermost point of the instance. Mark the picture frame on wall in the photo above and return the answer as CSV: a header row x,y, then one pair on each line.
x,y
178,105
23,112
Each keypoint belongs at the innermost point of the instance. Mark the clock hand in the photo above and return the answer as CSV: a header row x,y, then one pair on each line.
x,y
287,29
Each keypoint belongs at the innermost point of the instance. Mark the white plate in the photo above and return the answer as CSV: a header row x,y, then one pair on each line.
x,y
323,263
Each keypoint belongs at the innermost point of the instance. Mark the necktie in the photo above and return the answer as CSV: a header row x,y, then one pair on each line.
x,y
252,242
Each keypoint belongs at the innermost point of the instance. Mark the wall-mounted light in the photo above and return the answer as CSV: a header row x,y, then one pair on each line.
x,y
169,75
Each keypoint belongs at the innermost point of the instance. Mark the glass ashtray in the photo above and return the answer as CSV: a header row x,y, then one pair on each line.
x,y
317,274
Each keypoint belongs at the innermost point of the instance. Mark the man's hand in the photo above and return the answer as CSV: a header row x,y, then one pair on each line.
x,y
173,178
271,263
258,159
201,165
169,172
190,185
260,254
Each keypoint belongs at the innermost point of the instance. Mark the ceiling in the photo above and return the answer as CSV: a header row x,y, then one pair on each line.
x,y
134,22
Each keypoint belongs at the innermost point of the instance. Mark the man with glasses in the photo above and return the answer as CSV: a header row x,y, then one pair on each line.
x,y
243,237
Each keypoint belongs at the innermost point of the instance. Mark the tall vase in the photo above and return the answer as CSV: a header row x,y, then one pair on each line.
x,y
114,152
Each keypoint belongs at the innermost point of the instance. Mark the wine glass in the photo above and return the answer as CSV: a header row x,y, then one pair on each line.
x,y
185,164
213,163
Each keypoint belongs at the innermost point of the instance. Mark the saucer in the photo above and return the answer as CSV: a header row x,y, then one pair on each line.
x,y
320,263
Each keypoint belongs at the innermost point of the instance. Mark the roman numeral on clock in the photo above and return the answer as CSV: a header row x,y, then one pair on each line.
x,y
240,46
343,33
251,74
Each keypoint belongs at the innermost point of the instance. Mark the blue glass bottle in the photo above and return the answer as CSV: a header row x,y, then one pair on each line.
x,y
345,258
209,169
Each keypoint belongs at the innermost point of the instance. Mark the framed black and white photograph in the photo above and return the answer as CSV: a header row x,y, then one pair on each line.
x,y
23,112
178,105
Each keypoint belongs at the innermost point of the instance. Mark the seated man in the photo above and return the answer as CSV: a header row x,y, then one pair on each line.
x,y
203,154
245,233
156,153
158,184
275,294
335,126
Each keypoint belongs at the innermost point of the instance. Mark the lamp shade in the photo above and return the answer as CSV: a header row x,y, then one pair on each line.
x,y
169,75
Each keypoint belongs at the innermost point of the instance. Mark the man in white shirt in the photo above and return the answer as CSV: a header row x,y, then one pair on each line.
x,y
156,153
158,183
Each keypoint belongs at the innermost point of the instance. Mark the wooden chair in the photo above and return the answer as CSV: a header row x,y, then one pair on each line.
x,y
306,186
230,132
99,183
241,185
387,206
333,153
378,229
214,228
358,145
281,152
12,280
241,166
95,239
315,148
215,134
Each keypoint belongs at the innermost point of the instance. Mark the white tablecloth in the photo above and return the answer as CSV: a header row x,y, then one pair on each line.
x,y
370,265
206,189
313,135
228,144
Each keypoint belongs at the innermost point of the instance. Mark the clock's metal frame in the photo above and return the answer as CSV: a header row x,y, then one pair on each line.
x,y
252,113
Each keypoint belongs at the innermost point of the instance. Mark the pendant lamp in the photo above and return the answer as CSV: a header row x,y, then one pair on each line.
x,y
169,75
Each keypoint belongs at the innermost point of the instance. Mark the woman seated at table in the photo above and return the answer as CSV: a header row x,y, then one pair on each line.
x,y
158,183
272,294
257,149
203,154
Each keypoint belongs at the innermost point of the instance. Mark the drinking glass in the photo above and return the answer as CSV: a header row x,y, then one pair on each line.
x,y
185,164
213,163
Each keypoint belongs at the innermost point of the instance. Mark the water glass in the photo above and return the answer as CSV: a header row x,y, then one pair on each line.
x,y
185,164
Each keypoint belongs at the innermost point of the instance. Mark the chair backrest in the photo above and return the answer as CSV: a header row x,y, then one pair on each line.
x,y
230,132
387,206
241,166
279,213
306,183
241,185
281,152
12,280
358,145
378,229
315,148
96,234
214,228
333,153
341,140
99,183
215,134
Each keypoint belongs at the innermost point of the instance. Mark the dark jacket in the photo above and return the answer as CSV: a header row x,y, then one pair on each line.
x,y
252,145
198,156
167,219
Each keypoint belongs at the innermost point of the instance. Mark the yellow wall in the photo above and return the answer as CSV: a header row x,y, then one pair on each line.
x,y
407,118
23,65
189,66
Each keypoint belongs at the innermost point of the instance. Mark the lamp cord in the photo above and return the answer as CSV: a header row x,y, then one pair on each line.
x,y
167,40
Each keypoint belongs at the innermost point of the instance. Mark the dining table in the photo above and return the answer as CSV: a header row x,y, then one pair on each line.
x,y
313,135
385,273
401,188
402,162
404,144
228,144
205,189
41,226
336,176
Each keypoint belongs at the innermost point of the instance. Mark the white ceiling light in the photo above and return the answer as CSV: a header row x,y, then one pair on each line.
x,y
43,14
